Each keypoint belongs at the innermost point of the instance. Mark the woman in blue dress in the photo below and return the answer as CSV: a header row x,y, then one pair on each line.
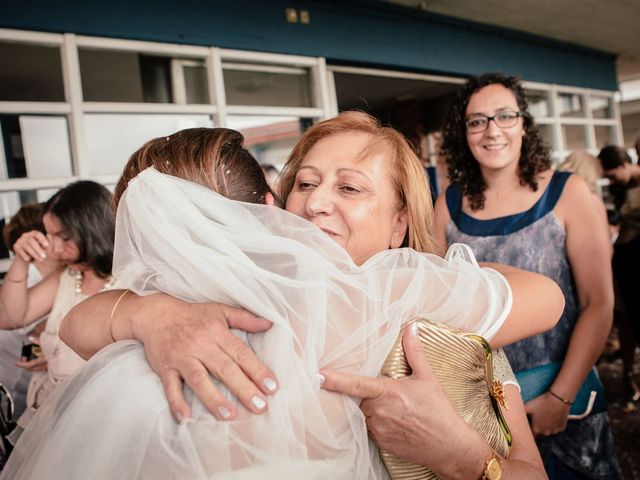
x,y
507,203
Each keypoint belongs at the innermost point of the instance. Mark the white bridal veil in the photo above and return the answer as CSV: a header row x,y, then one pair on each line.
x,y
112,421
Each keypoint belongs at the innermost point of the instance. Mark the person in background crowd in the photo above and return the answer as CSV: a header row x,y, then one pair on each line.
x,y
16,379
507,203
625,190
79,226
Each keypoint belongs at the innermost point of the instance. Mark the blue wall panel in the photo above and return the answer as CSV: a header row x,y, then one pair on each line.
x,y
351,32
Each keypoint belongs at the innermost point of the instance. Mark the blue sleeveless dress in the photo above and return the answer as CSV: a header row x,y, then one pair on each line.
x,y
535,240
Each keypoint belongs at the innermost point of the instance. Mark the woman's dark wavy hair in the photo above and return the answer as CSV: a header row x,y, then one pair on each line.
x,y
464,170
84,210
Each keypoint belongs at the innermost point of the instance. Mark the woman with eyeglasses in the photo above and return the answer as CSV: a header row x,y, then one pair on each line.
x,y
511,207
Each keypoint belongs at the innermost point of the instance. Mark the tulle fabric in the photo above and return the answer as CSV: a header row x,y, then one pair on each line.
x,y
112,420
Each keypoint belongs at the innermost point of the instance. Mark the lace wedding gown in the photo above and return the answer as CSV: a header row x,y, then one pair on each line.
x,y
112,420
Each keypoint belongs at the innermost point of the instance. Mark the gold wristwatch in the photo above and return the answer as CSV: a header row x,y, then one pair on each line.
x,y
492,468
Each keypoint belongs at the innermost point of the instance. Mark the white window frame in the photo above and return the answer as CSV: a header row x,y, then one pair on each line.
x,y
559,149
74,107
216,59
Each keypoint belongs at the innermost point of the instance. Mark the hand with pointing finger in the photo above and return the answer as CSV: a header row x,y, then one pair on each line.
x,y
408,417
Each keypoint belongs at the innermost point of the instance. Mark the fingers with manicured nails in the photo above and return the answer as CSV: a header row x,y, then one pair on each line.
x,y
41,238
414,351
35,244
193,341
201,383
354,385
241,354
233,377
172,385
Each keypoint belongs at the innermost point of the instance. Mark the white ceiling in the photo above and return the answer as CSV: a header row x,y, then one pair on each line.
x,y
609,25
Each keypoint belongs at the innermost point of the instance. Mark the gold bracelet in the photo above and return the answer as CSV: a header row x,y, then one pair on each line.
x,y
563,400
114,311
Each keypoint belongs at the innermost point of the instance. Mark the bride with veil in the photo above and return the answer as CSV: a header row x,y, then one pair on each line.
x,y
179,236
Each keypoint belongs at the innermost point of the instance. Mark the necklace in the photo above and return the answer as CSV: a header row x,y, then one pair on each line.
x,y
79,276
502,194
78,282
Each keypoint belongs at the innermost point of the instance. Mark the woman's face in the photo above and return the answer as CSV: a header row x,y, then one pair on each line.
x,y
62,244
496,148
351,199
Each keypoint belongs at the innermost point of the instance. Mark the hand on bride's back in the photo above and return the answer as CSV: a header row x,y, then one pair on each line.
x,y
190,341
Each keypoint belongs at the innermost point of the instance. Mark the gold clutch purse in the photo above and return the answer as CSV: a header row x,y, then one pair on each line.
x,y
463,364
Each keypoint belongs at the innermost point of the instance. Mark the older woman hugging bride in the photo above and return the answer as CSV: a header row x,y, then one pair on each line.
x,y
337,293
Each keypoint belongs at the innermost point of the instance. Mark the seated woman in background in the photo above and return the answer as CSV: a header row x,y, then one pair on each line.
x,y
12,376
331,306
79,226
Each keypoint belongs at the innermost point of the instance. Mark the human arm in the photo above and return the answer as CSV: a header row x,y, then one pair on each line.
x,y
182,341
21,305
414,419
589,256
537,305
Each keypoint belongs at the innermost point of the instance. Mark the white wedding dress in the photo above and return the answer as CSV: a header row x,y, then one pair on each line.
x,y
111,421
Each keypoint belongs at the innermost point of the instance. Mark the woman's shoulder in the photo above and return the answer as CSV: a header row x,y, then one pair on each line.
x,y
574,189
576,199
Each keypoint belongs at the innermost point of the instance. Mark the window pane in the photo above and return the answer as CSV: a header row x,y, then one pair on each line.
x,y
35,146
545,133
270,139
30,73
115,76
570,105
195,84
538,103
11,202
574,137
601,107
604,136
112,138
263,88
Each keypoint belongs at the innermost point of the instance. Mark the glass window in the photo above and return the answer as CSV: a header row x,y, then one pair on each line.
x,y
546,134
575,137
571,105
538,103
11,202
35,146
120,76
269,138
112,138
601,107
195,83
30,73
605,135
256,85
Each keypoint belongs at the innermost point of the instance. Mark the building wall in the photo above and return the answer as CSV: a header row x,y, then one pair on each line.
x,y
352,32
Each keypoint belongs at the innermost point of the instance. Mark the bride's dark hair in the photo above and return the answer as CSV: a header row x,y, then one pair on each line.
x,y
211,157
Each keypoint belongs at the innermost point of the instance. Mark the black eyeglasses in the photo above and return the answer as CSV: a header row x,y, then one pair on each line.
x,y
478,122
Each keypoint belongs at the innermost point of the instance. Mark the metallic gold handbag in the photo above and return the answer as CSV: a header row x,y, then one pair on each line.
x,y
463,364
